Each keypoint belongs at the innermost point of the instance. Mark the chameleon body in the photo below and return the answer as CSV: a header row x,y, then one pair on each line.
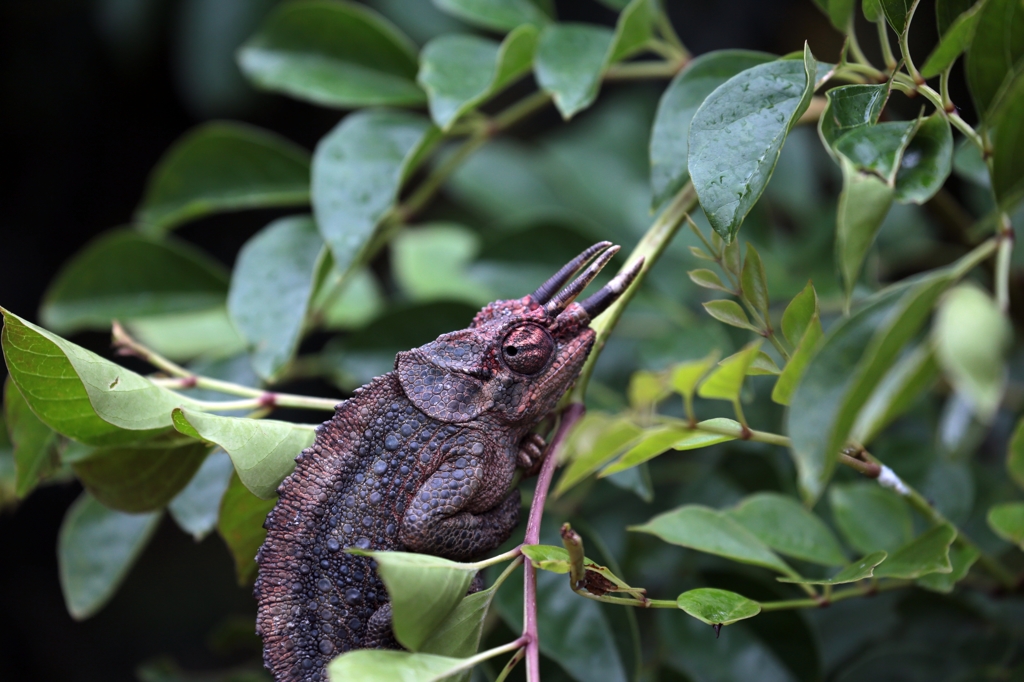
x,y
420,459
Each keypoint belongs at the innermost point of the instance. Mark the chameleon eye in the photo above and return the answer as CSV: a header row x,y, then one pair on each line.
x,y
527,349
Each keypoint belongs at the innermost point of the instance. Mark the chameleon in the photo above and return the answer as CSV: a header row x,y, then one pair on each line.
x,y
420,459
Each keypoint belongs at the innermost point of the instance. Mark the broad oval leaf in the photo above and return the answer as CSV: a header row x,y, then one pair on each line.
x,y
423,589
592,443
858,570
737,134
358,169
547,557
851,361
870,517
1007,521
240,525
926,554
370,665
431,262
223,167
995,51
954,41
197,507
717,607
123,275
726,381
646,389
336,54
669,146
863,204
1015,454
713,532
898,13
571,59
498,15
1008,154
461,71
789,528
33,443
729,312
961,558
271,286
141,478
262,450
902,384
926,162
634,29
79,394
849,107
971,338
96,548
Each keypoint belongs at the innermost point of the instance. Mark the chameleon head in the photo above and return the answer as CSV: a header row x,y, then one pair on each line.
x,y
518,357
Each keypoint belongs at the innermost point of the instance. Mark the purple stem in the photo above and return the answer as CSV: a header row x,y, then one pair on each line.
x,y
570,415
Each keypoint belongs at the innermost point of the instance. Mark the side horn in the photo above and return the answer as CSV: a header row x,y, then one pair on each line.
x,y
599,301
558,280
569,294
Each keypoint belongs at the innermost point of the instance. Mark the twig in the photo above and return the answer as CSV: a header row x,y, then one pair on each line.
x,y
1003,257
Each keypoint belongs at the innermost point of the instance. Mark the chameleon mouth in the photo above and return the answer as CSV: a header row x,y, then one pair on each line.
x,y
555,298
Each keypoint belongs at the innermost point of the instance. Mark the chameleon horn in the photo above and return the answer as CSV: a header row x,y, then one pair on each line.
x,y
599,301
569,294
558,280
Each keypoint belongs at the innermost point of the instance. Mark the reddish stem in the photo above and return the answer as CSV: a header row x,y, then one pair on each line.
x,y
570,415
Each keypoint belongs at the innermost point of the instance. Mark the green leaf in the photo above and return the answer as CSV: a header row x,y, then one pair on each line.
x,y
96,548
431,261
687,375
335,54
1015,454
971,338
369,665
123,275
271,286
863,204
220,167
954,41
196,508
459,633
729,312
262,450
571,58
798,314
763,365
592,443
838,12
657,440
461,71
548,557
929,553
79,394
754,281
717,607
713,532
877,148
358,169
851,361
849,107
897,391
859,570
995,52
969,165
870,517
782,393
961,557
8,473
33,443
1008,152
707,279
1007,521
737,133
634,29
726,380
897,12
423,589
872,10
947,12
141,478
646,389
498,15
669,146
181,337
240,525
786,526
926,162
349,303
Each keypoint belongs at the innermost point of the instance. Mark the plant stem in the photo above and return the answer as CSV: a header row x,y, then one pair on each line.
x,y
511,554
516,657
569,416
650,248
858,54
838,595
947,103
643,70
668,32
1003,254
906,84
905,45
468,663
883,41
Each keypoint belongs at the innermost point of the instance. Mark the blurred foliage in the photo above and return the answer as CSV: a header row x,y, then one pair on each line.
x,y
859,283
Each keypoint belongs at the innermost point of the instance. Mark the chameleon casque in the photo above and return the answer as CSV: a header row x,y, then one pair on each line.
x,y
420,459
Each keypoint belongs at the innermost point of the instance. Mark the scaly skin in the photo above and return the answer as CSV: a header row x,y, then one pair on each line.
x,y
421,459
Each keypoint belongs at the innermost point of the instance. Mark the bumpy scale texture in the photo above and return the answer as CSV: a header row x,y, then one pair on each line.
x,y
420,459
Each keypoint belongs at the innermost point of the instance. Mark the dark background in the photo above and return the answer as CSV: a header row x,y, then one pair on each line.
x,y
93,94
